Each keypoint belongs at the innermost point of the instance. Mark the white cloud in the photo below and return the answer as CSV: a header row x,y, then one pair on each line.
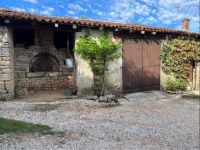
x,y
97,12
142,9
31,1
71,12
18,9
172,11
47,10
151,19
77,7
44,11
164,13
127,10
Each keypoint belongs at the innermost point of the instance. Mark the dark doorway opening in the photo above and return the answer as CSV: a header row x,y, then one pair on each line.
x,y
25,37
64,40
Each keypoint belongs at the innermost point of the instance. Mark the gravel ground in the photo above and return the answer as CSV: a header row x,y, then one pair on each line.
x,y
151,120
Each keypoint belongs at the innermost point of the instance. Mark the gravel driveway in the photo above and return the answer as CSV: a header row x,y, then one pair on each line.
x,y
152,120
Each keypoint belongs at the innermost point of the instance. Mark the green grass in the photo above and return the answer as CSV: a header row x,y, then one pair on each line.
x,y
10,126
110,105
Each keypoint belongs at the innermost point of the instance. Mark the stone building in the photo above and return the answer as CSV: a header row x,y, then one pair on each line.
x,y
33,50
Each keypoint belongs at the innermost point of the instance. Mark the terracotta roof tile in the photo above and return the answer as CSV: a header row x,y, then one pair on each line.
x,y
8,14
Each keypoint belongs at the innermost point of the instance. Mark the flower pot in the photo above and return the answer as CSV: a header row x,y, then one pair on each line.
x,y
68,92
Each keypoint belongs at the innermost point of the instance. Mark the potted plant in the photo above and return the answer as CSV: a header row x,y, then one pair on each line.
x,y
70,86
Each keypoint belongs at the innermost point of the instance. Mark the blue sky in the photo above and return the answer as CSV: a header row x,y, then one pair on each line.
x,y
158,13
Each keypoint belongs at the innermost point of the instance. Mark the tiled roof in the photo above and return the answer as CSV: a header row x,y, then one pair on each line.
x,y
17,15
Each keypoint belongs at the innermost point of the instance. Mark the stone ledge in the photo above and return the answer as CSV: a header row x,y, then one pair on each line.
x,y
53,74
42,74
35,74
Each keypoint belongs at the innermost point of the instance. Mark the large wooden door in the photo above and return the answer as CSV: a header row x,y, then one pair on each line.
x,y
141,64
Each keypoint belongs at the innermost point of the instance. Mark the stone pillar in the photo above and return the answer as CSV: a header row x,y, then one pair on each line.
x,y
84,75
6,63
114,73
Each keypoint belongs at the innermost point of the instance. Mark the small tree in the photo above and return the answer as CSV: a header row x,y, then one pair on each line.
x,y
97,52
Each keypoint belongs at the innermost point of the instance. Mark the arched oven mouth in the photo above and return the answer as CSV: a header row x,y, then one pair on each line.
x,y
44,62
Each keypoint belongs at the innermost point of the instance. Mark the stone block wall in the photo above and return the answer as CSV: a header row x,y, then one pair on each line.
x,y
6,63
25,80
84,75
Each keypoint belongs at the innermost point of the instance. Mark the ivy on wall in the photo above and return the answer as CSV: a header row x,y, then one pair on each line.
x,y
177,56
98,52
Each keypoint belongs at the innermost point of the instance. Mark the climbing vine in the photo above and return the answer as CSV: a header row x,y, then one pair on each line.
x,y
178,54
98,52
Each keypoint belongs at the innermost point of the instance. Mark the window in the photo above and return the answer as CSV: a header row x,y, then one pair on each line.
x,y
64,40
26,37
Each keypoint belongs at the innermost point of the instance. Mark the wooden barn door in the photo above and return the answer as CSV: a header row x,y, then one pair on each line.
x,y
141,64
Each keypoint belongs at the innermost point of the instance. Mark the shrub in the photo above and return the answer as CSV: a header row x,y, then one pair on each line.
x,y
176,55
175,84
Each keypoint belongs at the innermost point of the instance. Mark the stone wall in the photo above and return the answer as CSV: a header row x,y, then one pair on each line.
x,y
84,74
6,63
25,80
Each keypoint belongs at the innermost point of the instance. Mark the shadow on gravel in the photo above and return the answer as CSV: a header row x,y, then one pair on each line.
x,y
197,97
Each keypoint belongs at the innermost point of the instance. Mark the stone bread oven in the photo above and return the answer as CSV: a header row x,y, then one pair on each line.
x,y
44,62
41,65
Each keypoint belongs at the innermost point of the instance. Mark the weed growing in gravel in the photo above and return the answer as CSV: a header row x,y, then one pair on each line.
x,y
110,105
45,107
2,98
